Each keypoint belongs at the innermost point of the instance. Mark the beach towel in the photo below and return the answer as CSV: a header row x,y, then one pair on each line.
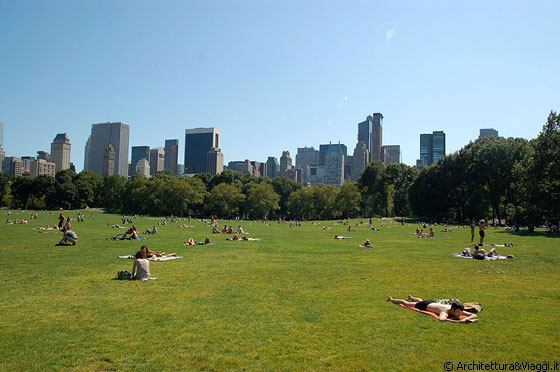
x,y
493,258
427,312
159,259
202,243
342,237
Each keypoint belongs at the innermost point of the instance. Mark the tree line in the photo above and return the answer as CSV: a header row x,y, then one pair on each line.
x,y
507,178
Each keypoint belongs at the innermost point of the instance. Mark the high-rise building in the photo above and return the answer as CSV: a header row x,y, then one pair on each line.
x,y
12,165
247,167
365,129
323,149
377,137
41,167
419,164
2,156
171,155
285,161
214,161
198,142
109,160
138,153
438,145
488,133
360,160
334,166
60,151
115,134
432,147
26,164
272,167
305,158
157,160
142,168
391,154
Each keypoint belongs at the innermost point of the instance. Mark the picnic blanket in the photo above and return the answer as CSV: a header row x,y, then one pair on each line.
x,y
202,243
493,258
158,259
427,312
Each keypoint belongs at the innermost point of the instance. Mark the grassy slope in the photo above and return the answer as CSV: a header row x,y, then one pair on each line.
x,y
296,300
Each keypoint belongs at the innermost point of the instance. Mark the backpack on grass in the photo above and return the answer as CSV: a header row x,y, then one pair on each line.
x,y
124,275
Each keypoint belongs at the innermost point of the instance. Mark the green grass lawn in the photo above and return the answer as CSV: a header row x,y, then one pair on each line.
x,y
295,301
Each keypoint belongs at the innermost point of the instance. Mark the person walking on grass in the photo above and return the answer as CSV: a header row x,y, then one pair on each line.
x,y
472,231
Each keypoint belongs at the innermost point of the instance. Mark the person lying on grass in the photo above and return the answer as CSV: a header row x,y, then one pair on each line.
x,y
69,238
190,242
480,252
450,313
140,266
367,244
150,254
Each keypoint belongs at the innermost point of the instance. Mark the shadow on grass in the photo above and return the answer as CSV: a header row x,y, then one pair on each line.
x,y
529,234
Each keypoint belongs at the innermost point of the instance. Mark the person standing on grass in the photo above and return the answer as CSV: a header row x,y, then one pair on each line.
x,y
472,231
60,221
481,228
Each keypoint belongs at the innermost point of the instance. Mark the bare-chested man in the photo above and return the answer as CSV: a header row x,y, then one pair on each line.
x,y
450,313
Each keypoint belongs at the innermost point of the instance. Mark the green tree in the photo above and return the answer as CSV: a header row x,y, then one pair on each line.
x,y
262,201
348,201
225,200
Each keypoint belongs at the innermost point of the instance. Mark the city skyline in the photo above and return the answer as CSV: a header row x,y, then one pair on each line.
x,y
306,80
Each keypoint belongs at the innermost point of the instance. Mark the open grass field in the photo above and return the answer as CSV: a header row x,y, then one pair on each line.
x,y
295,301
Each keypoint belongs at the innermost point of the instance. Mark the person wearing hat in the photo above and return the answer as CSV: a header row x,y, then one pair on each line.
x,y
450,313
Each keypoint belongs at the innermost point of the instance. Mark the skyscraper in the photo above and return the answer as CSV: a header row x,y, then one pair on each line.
x,y
214,161
365,129
360,159
138,153
157,160
391,154
488,132
377,137
171,155
305,158
108,160
271,167
334,166
285,161
323,149
432,147
115,134
12,165
60,152
438,145
198,142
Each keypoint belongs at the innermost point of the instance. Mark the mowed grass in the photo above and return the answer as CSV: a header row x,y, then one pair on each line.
x,y
295,301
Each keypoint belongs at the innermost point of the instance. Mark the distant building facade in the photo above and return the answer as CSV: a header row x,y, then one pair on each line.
x,y
272,167
109,161
391,154
142,168
285,161
12,165
360,160
490,132
157,160
198,142
305,158
171,155
115,134
60,151
138,153
42,167
214,161
334,166
365,129
377,137
432,147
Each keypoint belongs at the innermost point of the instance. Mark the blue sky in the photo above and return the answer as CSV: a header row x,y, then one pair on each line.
x,y
275,75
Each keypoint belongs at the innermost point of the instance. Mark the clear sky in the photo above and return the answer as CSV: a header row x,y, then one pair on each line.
x,y
275,75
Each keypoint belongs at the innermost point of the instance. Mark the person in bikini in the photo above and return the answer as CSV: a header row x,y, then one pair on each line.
x,y
450,313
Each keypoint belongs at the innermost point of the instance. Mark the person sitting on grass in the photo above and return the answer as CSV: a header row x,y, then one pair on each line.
x,y
432,234
350,229
240,230
367,244
235,237
207,241
224,229
230,230
69,238
190,242
450,313
478,250
215,230
141,266
133,233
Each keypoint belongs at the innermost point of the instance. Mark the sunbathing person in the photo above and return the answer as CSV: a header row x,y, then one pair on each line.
x,y
367,244
207,241
215,230
224,229
432,234
152,254
245,238
450,313
240,230
235,237
350,229
190,242
230,230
